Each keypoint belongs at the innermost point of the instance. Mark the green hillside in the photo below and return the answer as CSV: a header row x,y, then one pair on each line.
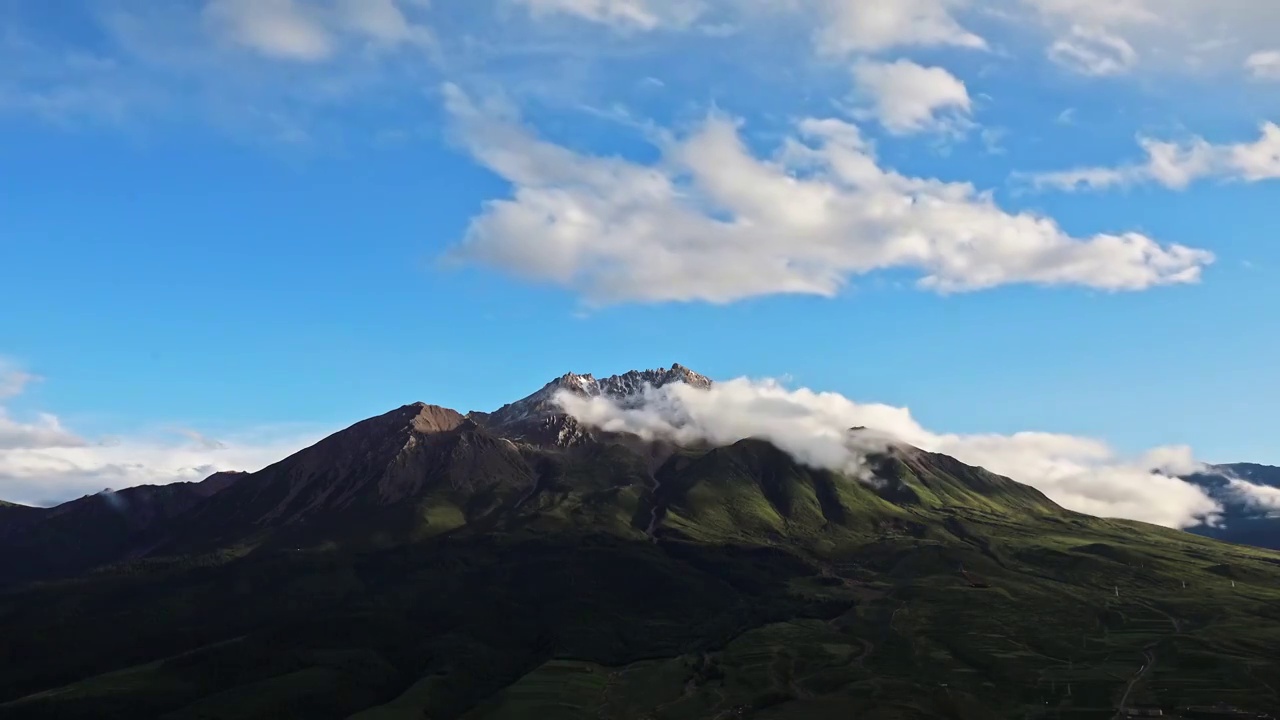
x,y
603,581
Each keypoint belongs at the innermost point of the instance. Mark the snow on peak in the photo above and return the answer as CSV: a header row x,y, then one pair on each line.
x,y
542,403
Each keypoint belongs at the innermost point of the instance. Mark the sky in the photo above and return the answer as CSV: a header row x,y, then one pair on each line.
x,y
230,227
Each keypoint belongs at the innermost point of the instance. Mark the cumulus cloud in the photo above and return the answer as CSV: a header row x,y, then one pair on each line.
x,y
1177,165
1081,474
45,432
908,98
1264,65
712,221
867,26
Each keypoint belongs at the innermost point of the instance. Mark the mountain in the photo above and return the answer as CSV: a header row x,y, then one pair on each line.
x,y
95,529
1243,521
426,563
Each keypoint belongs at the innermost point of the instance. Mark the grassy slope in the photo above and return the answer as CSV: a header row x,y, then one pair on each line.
x,y
772,592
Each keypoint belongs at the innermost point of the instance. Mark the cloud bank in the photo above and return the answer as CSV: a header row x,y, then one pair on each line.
x,y
712,221
1078,473
44,463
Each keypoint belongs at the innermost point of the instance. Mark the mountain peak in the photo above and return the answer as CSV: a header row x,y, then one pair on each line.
x,y
542,404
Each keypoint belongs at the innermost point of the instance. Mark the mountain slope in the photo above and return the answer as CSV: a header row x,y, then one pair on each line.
x,y
101,528
424,563
419,469
1244,521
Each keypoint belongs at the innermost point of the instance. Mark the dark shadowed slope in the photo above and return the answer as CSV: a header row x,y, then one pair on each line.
x,y
108,526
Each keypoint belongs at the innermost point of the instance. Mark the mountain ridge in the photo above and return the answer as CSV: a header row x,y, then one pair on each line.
x,y
421,470
427,563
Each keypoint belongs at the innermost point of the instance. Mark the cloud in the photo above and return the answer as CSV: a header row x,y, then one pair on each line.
x,y
908,98
864,26
44,463
45,433
13,381
310,31
1177,165
1081,474
625,14
1092,51
1256,497
274,69
277,28
1112,37
1264,65
711,221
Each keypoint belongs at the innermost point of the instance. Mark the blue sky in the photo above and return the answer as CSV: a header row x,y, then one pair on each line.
x,y
227,228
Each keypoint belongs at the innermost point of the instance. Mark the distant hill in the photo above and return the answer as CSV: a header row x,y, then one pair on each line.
x,y
1242,522
105,527
517,564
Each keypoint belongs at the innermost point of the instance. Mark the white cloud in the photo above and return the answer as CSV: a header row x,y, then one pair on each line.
x,y
277,28
1108,37
43,463
55,472
842,27
1177,165
712,221
1093,51
380,20
13,381
1254,496
869,26
636,14
310,31
1081,474
45,433
909,98
1264,65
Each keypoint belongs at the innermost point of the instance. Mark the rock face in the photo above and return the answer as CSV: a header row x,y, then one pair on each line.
x,y
542,403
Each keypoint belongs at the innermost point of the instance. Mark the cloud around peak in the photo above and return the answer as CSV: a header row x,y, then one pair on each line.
x,y
1079,473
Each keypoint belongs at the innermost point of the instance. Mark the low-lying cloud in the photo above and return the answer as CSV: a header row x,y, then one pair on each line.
x,y
1263,498
1081,474
42,462
47,470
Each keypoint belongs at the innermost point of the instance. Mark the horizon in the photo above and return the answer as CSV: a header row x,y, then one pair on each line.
x,y
233,228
